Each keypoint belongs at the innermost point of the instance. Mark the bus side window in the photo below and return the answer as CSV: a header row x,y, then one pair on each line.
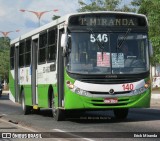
x,y
21,54
12,57
28,52
52,42
42,48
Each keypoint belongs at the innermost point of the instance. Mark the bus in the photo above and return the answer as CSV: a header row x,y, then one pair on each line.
x,y
81,62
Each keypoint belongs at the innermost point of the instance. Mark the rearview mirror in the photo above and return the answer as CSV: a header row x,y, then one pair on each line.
x,y
64,40
150,49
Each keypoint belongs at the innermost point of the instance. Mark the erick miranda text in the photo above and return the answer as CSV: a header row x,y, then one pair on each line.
x,y
145,135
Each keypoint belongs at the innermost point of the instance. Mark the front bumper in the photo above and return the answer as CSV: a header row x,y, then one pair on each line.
x,y
74,101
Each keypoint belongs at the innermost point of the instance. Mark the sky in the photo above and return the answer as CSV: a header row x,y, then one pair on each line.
x,y
11,19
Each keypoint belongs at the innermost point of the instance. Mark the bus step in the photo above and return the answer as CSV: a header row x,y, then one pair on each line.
x,y
35,107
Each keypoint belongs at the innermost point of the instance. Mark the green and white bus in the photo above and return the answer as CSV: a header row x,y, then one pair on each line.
x,y
84,61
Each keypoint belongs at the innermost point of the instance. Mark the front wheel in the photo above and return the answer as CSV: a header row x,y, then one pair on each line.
x,y
121,113
58,114
26,109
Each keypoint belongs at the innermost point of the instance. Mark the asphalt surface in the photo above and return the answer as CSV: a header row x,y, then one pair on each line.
x,y
88,125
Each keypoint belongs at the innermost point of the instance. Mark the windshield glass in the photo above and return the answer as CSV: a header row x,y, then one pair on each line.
x,y
107,53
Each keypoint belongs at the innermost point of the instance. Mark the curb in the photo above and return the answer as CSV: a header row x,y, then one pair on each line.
x,y
155,96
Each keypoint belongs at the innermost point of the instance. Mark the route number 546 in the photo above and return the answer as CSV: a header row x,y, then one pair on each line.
x,y
99,37
128,87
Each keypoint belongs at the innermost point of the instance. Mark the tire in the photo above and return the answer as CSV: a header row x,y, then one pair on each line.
x,y
0,93
26,109
58,114
121,113
36,111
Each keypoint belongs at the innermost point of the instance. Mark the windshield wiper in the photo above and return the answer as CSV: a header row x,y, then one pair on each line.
x,y
99,43
123,40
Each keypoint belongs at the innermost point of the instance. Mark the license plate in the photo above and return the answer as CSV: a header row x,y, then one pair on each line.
x,y
110,100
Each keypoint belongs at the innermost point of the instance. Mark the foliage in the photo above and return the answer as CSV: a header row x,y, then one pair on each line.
x,y
55,17
4,57
151,8
103,5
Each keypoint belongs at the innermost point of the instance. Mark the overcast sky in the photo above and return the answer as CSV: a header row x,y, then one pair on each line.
x,y
12,19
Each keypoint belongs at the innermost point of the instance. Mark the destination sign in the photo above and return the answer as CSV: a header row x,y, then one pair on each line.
x,y
107,20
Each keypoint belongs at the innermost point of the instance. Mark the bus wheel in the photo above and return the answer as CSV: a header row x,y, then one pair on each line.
x,y
0,92
58,114
26,109
121,113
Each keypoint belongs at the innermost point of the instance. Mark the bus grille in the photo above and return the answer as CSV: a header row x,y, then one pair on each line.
x,y
107,93
110,81
109,78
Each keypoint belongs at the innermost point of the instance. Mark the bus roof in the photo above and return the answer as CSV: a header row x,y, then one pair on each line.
x,y
65,19
37,30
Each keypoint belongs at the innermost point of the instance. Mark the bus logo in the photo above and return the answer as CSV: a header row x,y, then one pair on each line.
x,y
111,76
111,91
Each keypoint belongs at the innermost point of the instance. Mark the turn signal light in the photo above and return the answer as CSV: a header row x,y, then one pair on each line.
x,y
70,85
146,85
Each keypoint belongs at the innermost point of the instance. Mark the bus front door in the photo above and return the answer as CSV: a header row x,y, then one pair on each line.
x,y
34,71
16,73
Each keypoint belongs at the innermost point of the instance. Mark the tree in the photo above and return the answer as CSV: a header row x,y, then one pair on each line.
x,y
141,5
4,57
55,17
151,8
103,5
126,8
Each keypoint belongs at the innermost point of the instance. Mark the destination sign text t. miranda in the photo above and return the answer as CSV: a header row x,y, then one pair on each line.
x,y
106,20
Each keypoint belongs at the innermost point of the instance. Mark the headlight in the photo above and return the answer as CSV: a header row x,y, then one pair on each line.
x,y
80,91
84,93
139,91
76,89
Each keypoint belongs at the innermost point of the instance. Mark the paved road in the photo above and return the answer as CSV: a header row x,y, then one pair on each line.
x,y
139,120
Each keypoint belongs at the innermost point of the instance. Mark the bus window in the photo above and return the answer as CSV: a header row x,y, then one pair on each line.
x,y
42,48
21,54
12,58
28,52
51,55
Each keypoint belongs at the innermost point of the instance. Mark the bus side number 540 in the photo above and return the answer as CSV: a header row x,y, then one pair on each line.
x,y
128,87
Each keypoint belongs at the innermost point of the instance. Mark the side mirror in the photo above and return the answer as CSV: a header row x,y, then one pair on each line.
x,y
150,49
64,40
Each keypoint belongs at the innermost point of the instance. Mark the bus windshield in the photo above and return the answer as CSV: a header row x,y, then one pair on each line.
x,y
107,53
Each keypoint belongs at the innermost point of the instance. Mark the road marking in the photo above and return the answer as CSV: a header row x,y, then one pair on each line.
x,y
59,130
20,126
